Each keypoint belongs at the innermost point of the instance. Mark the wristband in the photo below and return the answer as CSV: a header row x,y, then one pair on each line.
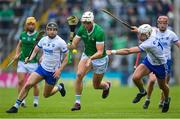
x,y
113,51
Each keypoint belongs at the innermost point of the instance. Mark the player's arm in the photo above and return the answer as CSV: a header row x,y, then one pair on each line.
x,y
35,51
99,53
74,43
124,51
178,43
57,73
18,48
65,61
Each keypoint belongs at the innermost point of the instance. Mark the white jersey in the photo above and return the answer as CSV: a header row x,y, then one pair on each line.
x,y
53,50
167,39
154,50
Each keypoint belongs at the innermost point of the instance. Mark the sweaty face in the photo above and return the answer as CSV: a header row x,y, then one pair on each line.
x,y
88,25
51,32
30,27
162,25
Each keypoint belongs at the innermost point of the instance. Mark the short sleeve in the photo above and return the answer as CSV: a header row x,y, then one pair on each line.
x,y
63,46
100,36
40,43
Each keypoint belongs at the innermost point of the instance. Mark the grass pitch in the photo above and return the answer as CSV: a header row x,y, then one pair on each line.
x,y
117,105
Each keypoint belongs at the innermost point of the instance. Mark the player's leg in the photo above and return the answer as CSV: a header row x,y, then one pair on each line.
x,y
169,63
99,84
140,71
81,72
31,67
150,86
36,95
164,87
33,79
50,89
21,73
99,68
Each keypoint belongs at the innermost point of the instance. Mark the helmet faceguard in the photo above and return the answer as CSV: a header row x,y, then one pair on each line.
x,y
87,17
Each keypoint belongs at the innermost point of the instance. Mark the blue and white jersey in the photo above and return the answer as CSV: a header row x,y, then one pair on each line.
x,y
154,50
167,39
53,50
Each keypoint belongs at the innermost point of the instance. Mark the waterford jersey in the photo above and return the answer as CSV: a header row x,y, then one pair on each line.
x,y
91,39
167,39
53,50
27,44
154,50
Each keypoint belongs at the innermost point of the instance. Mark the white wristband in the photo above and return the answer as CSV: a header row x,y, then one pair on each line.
x,y
113,51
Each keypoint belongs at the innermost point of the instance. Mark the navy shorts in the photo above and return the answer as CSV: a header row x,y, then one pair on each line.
x,y
159,70
169,63
48,76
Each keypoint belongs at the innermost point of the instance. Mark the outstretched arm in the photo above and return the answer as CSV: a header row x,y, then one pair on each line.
x,y
124,51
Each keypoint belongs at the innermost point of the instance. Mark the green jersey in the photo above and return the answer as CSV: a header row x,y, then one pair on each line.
x,y
27,44
97,35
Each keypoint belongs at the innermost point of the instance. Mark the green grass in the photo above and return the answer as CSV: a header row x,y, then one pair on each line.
x,y
117,105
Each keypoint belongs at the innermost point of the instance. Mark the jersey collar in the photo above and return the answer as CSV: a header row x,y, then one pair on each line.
x,y
89,33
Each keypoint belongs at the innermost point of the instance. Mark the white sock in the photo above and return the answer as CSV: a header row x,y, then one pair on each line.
x,y
36,99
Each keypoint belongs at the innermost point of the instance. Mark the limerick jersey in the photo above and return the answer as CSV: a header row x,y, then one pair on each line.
x,y
27,44
53,50
167,39
154,50
90,40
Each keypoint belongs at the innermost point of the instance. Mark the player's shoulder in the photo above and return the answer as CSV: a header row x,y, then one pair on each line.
x,y
170,31
59,39
98,27
24,33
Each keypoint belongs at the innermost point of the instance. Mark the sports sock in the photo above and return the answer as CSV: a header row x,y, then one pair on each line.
x,y
59,87
18,103
24,101
78,97
36,98
106,87
142,91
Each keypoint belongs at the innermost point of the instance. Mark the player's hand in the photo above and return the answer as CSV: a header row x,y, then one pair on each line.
x,y
135,29
88,63
69,46
57,73
108,52
26,60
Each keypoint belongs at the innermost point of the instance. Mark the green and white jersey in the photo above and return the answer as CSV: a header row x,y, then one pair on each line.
x,y
96,36
27,44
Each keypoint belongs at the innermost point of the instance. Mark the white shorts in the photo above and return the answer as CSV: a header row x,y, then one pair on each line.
x,y
26,68
99,65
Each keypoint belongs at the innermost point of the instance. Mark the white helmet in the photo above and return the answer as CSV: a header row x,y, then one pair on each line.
x,y
145,29
87,17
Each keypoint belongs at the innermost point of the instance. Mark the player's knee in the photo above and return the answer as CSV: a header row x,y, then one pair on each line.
x,y
136,77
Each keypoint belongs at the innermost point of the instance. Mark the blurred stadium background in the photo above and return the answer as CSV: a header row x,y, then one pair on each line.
x,y
14,12
136,12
